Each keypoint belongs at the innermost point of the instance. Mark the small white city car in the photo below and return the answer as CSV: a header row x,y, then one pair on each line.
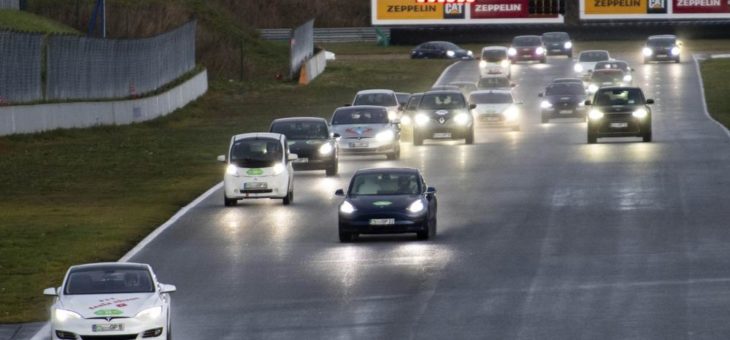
x,y
259,165
111,301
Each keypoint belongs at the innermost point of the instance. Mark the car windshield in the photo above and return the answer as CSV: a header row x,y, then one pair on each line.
x,y
468,87
109,280
493,82
413,102
402,97
611,97
494,55
491,98
526,41
565,89
620,65
593,56
442,101
301,130
600,77
350,116
660,42
256,152
391,183
555,37
376,99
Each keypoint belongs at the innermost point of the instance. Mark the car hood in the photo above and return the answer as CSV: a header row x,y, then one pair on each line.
x,y
491,108
359,130
619,108
108,305
382,203
587,65
305,147
442,113
565,98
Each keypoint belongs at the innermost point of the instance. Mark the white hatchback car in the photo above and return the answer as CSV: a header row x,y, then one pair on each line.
x,y
259,166
380,97
587,60
496,108
494,61
366,130
110,300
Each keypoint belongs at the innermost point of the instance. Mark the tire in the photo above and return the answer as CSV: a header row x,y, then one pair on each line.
x,y
544,119
570,55
229,202
289,198
543,60
169,328
417,138
592,139
516,128
676,61
646,137
333,169
346,237
423,235
646,61
469,140
395,154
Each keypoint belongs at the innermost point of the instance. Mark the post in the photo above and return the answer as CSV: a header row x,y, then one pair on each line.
x,y
103,19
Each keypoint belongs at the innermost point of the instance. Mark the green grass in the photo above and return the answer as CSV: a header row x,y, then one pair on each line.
x,y
77,196
24,21
715,74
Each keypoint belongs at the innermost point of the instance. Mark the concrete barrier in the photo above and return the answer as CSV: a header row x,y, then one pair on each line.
x,y
313,67
44,117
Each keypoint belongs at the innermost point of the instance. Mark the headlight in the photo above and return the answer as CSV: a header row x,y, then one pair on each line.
x,y
416,207
482,63
511,113
462,118
470,53
385,136
392,114
450,53
675,50
592,88
578,68
326,149
582,103
595,114
647,52
232,170
640,113
505,63
512,51
628,78
406,120
568,45
546,104
279,168
540,51
62,315
422,119
150,313
347,208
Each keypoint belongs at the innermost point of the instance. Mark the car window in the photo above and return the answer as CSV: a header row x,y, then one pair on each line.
x,y
442,101
526,41
619,97
612,64
494,55
413,102
385,184
493,82
491,98
402,98
301,130
109,280
606,76
593,56
661,42
376,99
349,116
555,36
256,152
565,89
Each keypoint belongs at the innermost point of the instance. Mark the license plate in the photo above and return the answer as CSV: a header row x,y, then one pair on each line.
x,y
301,160
112,327
442,135
566,112
359,144
619,125
254,185
493,119
382,221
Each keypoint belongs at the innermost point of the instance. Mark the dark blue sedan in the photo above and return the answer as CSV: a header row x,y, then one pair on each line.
x,y
387,201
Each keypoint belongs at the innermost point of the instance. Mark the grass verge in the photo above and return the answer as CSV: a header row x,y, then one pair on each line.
x,y
77,196
28,22
715,74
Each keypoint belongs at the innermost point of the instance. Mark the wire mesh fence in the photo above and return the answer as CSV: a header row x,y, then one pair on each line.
x,y
20,67
9,4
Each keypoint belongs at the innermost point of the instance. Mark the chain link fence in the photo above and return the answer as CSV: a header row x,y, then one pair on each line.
x,y
20,67
9,4
92,68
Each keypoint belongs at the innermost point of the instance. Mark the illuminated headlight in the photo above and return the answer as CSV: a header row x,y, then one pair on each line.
x,y
675,51
540,51
647,52
150,313
406,120
511,114
62,315
581,103
595,114
592,88
385,136
640,113
462,118
232,170
546,104
470,53
568,45
279,168
628,78
326,149
450,53
416,207
512,52
422,119
578,68
482,63
347,208
392,115
505,63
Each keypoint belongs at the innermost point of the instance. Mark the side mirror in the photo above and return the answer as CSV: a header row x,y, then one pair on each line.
x,y
222,158
650,101
588,103
540,95
430,191
167,288
340,193
293,157
472,106
336,135
50,292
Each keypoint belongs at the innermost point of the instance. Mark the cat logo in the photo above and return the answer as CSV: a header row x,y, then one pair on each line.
x,y
454,11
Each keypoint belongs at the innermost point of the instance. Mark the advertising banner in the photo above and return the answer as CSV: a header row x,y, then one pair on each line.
x,y
654,9
464,12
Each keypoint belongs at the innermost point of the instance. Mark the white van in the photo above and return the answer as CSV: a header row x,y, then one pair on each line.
x,y
259,166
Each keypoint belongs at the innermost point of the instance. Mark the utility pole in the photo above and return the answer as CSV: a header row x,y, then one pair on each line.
x,y
103,19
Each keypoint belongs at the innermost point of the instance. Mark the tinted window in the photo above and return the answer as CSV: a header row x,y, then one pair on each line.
x,y
494,55
599,77
661,42
299,130
442,101
109,280
413,102
555,36
402,97
256,152
490,98
376,99
386,184
527,41
349,116
619,97
494,82
593,56
565,89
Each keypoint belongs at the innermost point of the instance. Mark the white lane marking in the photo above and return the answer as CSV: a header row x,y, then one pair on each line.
x,y
46,329
704,101
446,71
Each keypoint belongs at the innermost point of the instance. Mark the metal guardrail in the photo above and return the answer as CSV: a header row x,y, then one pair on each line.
x,y
343,34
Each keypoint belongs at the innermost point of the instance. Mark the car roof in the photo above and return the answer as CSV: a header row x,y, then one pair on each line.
x,y
408,93
663,36
258,135
381,170
494,48
556,32
567,80
299,119
443,92
620,88
527,36
372,91
110,264
593,51
462,82
492,91
360,107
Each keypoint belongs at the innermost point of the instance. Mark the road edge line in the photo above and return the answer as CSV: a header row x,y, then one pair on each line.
x,y
704,99
444,72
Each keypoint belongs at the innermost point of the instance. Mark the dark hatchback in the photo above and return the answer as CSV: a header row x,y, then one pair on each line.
x,y
619,112
387,201
558,43
563,99
440,50
443,115
311,140
661,48
527,47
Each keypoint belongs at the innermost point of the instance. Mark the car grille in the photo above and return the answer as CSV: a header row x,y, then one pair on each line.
x,y
109,337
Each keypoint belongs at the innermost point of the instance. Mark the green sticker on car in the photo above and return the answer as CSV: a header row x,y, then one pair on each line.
x,y
255,172
382,203
108,312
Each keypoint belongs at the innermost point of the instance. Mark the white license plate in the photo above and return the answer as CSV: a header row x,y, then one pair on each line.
x,y
254,185
382,221
566,112
359,144
442,135
112,327
619,125
301,160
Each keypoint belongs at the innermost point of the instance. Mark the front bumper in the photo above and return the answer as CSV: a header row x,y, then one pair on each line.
x,y
560,110
404,223
271,187
134,329
448,130
366,146
496,120
620,126
314,162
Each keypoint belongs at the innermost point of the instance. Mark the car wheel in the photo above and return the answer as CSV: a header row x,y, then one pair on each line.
x,y
346,237
395,154
592,139
646,137
229,202
646,61
289,198
169,328
469,137
543,60
570,54
425,234
676,61
544,119
516,128
333,169
417,138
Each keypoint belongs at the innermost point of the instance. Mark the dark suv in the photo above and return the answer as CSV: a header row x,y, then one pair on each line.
x,y
661,47
311,140
563,100
558,43
443,115
527,47
619,112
